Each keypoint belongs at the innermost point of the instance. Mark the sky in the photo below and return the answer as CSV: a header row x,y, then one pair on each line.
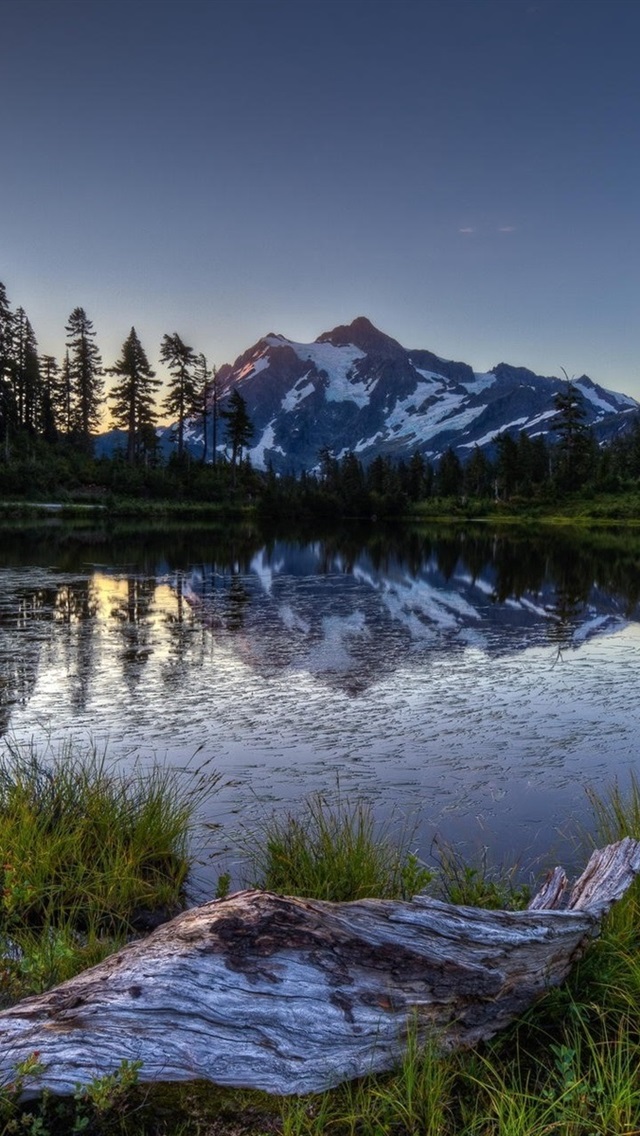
x,y
466,173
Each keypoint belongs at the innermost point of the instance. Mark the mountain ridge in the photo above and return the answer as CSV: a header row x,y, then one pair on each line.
x,y
356,389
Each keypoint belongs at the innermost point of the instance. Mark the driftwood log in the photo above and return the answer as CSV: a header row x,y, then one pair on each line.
x,y
295,995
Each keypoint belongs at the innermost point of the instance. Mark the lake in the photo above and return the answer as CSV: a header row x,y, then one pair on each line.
x,y
470,683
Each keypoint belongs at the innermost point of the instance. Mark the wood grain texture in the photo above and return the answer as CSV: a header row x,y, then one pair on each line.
x,y
294,995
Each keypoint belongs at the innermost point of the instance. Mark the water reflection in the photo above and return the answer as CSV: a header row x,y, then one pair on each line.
x,y
346,610
484,675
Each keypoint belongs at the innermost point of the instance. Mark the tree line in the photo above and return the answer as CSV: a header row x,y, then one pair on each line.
x,y
64,400
50,411
516,469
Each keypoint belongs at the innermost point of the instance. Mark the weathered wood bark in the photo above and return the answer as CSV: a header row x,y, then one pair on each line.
x,y
294,995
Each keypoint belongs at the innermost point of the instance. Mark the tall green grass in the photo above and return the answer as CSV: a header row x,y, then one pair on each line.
x,y
88,852
80,839
332,850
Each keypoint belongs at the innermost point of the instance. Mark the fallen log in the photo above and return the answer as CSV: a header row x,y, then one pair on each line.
x,y
295,995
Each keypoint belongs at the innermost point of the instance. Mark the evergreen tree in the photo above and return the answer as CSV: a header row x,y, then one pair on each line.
x,y
26,372
182,395
507,468
355,499
575,449
478,474
417,478
85,373
63,410
7,402
6,334
329,470
133,396
207,397
50,379
449,476
239,427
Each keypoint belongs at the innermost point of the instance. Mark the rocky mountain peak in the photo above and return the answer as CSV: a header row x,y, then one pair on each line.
x,y
361,333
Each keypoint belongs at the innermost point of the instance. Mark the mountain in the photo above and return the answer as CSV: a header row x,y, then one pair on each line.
x,y
355,388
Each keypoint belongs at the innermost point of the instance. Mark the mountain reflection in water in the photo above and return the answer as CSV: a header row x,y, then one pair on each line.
x,y
474,679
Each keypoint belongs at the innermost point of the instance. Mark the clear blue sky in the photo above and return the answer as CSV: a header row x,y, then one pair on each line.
x,y
466,173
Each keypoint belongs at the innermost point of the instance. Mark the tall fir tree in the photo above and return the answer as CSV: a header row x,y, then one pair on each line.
x,y
26,373
181,400
449,476
239,428
206,398
64,407
134,396
87,388
575,448
8,414
50,381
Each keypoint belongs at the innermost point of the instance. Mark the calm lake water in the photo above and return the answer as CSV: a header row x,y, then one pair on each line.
x,y
470,685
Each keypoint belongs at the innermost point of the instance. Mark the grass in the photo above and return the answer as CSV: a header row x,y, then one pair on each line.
x,y
87,853
569,1067
332,851
479,885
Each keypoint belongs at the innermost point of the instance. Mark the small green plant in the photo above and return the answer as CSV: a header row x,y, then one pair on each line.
x,y
223,885
332,851
417,1099
107,1094
13,1117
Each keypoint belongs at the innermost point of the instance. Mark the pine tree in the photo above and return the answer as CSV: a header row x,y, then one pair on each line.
x,y
507,468
7,401
133,397
478,474
207,398
575,449
182,394
449,476
26,372
239,427
87,389
64,409
50,379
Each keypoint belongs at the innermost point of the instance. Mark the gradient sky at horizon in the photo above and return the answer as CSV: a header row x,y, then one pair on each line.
x,y
463,172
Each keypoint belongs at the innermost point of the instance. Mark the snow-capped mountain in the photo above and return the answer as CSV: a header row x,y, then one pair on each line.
x,y
355,388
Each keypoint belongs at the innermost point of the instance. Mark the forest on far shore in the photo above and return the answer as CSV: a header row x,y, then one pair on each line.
x,y
50,412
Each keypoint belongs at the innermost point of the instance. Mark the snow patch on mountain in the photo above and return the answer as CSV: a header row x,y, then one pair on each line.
x,y
297,394
253,367
487,438
432,377
481,381
258,453
591,394
338,363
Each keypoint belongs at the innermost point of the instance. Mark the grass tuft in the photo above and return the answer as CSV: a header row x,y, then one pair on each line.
x,y
479,885
332,851
617,812
88,853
